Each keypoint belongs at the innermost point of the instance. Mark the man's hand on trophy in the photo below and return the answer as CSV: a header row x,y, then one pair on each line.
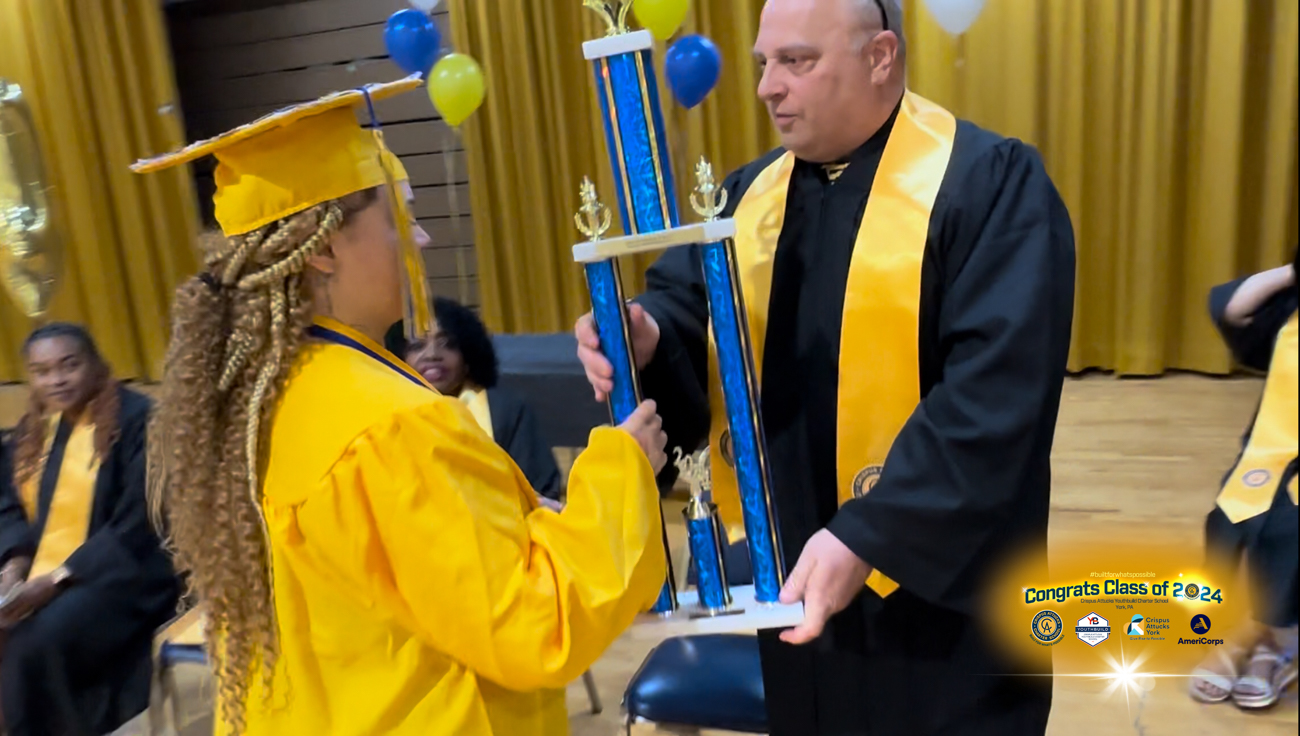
x,y
647,429
827,577
645,338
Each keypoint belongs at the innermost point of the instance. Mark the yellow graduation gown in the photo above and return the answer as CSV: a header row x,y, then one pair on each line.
x,y
418,588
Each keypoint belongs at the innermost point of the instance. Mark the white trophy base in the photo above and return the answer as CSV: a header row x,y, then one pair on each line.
x,y
744,615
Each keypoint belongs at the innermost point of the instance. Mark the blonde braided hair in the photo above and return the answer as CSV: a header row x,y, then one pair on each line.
x,y
237,329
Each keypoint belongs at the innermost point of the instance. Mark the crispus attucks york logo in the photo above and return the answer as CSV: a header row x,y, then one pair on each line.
x,y
866,479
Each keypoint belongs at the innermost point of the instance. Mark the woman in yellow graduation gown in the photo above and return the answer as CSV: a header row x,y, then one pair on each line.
x,y
370,561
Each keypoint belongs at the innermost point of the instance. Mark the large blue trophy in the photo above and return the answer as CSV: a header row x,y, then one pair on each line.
x,y
626,86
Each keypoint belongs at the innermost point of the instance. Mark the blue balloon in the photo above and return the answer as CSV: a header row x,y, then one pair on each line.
x,y
692,66
412,41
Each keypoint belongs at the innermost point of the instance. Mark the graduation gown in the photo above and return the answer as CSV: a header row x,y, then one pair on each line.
x,y
515,428
512,423
968,478
418,587
1269,541
82,664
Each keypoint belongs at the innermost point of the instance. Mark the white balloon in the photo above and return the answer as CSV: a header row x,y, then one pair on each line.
x,y
425,5
955,16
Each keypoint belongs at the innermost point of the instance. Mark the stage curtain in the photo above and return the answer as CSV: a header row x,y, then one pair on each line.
x,y
1170,127
98,76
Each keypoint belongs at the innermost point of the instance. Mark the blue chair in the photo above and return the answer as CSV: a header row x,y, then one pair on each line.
x,y
704,681
169,655
176,643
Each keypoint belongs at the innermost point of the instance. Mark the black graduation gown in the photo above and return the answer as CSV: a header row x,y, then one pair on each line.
x,y
82,664
968,478
515,429
1270,542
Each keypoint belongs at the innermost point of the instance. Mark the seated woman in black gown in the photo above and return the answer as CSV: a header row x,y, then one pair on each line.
x,y
459,360
1255,516
85,581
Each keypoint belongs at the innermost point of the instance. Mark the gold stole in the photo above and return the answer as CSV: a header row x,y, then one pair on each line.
x,y
68,520
1273,440
879,378
477,401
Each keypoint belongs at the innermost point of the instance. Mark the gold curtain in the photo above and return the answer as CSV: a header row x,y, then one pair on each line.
x,y
98,77
1169,126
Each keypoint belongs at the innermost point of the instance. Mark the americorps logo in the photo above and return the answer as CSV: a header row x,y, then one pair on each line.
x,y
1201,623
1092,629
1203,641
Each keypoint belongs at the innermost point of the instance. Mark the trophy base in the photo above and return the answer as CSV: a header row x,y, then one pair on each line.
x,y
743,616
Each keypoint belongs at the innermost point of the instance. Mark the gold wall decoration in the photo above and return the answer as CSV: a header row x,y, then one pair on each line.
x,y
30,257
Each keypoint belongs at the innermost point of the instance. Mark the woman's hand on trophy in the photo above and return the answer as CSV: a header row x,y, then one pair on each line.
x,y
645,339
647,429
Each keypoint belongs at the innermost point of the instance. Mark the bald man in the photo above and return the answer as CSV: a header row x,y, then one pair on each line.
x,y
910,285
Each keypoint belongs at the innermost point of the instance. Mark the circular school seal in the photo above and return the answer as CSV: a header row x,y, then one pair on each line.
x,y
866,479
728,453
1256,478
1047,628
1192,590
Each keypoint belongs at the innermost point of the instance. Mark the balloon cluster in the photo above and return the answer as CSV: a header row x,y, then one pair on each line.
x,y
455,80
692,64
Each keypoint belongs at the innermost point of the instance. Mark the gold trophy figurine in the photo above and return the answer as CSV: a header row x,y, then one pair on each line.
x,y
706,536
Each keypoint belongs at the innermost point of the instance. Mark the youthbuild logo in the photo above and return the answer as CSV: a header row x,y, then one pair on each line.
x,y
1092,629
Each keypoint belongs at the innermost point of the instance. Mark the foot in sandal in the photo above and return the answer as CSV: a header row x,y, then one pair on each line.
x,y
1213,681
1266,676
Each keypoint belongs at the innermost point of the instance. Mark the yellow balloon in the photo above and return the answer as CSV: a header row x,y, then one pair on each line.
x,y
456,87
661,17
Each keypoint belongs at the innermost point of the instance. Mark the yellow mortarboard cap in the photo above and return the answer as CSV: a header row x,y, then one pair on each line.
x,y
293,159
299,157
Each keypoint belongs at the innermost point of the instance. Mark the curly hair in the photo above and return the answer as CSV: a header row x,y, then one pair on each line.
x,y
103,408
237,329
465,332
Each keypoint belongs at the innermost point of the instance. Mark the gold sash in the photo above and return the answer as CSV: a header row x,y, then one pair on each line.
x,y
1273,440
477,401
879,378
68,520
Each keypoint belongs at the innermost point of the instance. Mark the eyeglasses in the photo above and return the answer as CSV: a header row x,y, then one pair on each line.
x,y
884,17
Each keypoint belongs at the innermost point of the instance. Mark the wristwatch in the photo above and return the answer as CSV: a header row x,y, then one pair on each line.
x,y
61,577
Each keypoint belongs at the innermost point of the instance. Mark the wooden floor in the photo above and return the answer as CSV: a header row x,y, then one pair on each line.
x,y
1133,457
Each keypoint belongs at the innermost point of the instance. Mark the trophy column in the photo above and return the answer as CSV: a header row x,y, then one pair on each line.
x,y
739,382
706,536
638,155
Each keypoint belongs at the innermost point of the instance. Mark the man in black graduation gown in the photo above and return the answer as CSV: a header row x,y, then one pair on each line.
x,y
85,578
967,485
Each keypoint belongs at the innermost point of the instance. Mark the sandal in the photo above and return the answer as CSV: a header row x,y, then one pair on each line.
x,y
1267,676
1224,684
1286,674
